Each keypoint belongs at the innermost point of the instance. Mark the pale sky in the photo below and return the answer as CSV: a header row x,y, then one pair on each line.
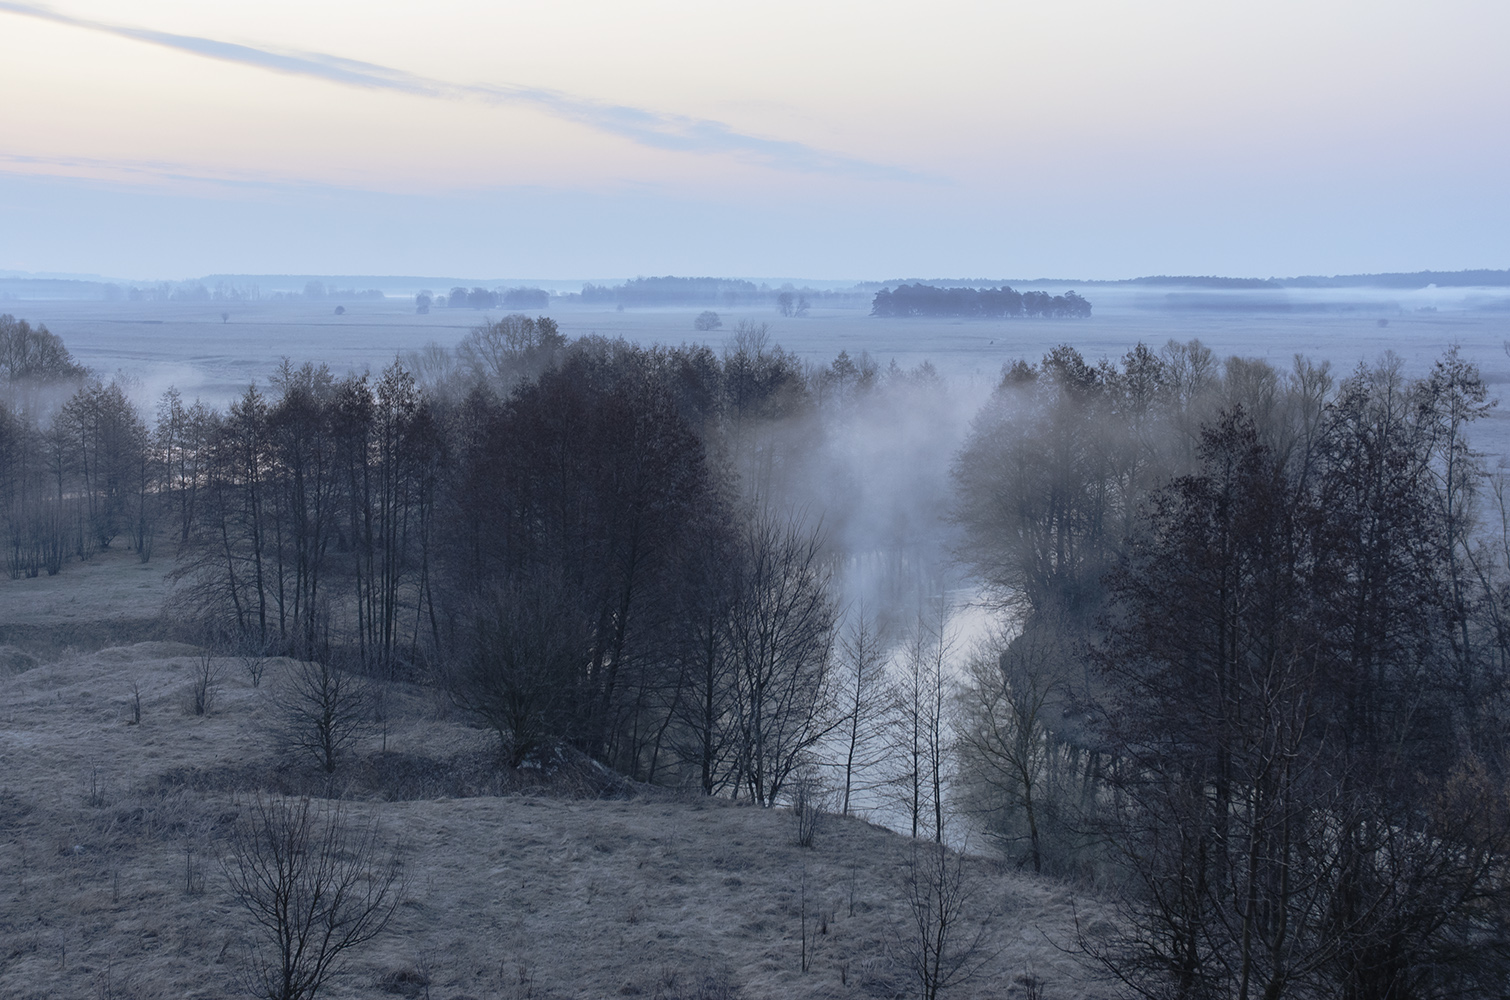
x,y
1076,138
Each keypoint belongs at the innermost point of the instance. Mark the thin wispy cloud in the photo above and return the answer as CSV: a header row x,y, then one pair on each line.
x,y
137,172
655,129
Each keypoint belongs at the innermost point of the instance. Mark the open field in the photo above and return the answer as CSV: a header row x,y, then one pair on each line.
x,y
188,344
112,597
111,835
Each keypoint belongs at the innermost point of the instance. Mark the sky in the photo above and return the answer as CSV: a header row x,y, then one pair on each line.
x,y
161,139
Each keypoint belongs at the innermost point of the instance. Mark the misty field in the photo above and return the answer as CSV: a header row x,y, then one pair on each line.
x,y
189,345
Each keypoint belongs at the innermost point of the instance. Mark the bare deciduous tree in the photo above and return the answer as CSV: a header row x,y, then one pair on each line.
x,y
1008,754
938,947
515,669
324,710
862,662
920,734
204,682
807,805
314,886
780,636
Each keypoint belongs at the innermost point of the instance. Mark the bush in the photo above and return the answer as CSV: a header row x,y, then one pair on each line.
x,y
807,807
204,684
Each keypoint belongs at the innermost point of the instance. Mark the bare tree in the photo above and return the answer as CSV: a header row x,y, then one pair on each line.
x,y
920,734
808,797
515,669
938,947
780,637
325,710
135,704
253,661
703,735
1007,752
204,682
502,353
314,886
862,665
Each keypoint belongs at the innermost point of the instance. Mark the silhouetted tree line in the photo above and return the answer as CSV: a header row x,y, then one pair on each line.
x,y
34,355
552,531
990,303
1260,686
77,482
726,292
485,298
671,290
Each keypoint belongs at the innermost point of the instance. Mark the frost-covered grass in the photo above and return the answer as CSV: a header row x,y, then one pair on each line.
x,y
110,834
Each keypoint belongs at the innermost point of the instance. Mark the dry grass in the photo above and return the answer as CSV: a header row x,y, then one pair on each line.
x,y
110,834
111,598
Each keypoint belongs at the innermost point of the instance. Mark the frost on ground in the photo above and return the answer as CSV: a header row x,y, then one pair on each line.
x,y
112,830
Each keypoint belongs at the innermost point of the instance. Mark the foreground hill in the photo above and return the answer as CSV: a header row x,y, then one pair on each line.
x,y
516,884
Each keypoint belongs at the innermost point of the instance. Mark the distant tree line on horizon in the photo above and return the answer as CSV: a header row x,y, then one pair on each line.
x,y
229,292
682,291
986,303
482,298
729,293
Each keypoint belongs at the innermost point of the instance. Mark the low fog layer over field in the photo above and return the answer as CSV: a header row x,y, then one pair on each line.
x,y
189,345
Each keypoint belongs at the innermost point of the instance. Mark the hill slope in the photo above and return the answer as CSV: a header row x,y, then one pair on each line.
x,y
110,835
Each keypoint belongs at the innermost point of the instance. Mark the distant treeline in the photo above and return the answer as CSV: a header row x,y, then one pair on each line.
x,y
1482,278
663,291
672,291
726,292
989,303
1204,281
483,298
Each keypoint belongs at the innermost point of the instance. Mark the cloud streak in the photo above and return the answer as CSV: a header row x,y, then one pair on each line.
x,y
135,172
654,129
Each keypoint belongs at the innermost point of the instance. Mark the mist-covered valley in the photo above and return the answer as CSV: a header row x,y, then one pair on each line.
x,y
1204,589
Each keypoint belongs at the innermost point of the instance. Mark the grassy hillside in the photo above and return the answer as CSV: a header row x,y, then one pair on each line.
x,y
515,886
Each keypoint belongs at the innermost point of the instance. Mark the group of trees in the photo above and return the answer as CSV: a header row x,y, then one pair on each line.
x,y
556,532
33,355
483,298
318,291
670,290
729,293
78,483
592,546
791,304
988,303
1259,685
